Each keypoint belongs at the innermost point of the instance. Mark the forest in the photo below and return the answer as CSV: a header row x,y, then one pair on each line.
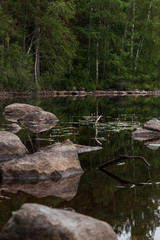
x,y
82,44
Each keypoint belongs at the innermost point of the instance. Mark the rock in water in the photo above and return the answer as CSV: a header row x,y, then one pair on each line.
x,y
10,146
59,161
13,127
39,116
38,222
38,121
85,149
80,148
65,188
15,111
153,125
143,134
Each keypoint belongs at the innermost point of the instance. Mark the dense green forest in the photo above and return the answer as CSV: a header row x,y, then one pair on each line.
x,y
87,44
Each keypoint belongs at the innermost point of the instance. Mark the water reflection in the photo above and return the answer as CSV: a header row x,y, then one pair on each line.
x,y
124,183
134,213
65,188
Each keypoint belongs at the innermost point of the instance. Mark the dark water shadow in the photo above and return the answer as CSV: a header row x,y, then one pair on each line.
x,y
123,182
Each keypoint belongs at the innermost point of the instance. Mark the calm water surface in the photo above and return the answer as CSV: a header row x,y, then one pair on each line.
x,y
133,210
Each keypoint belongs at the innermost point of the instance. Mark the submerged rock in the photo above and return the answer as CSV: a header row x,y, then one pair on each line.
x,y
65,188
153,144
10,146
34,221
59,161
15,111
84,149
80,148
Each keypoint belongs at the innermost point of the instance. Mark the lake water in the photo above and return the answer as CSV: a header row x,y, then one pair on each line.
x,y
133,209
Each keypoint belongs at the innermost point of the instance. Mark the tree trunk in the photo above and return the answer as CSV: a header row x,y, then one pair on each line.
x,y
24,37
126,26
37,54
89,39
105,52
37,58
140,45
97,61
133,28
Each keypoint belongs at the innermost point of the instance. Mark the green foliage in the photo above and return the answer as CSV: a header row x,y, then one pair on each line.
x,y
28,28
123,36
17,69
57,44
87,44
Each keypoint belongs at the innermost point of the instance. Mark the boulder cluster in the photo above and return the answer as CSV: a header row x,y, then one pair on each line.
x,y
55,170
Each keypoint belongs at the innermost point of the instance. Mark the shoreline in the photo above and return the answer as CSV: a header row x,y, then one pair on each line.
x,y
97,93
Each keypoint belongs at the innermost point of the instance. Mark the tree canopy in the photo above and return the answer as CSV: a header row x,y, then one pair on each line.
x,y
94,44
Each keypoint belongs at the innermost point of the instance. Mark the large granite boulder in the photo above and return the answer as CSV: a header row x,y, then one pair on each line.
x,y
11,146
65,188
15,111
36,127
38,121
59,161
38,222
39,116
31,117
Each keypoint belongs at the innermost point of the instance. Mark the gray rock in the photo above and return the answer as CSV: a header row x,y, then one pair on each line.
x,y
65,188
39,127
80,148
84,149
59,161
15,111
39,116
153,125
38,222
153,144
14,128
10,146
38,121
143,134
